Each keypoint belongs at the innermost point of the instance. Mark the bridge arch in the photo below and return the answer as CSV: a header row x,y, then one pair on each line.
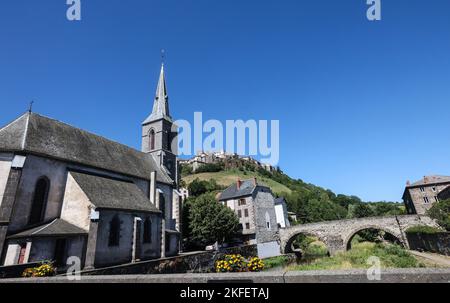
x,y
392,235
288,244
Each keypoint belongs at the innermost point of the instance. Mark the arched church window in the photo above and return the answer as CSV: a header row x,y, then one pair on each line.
x,y
114,231
152,139
148,231
39,200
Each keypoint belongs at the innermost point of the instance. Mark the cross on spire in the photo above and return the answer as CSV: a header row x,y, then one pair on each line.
x,y
30,108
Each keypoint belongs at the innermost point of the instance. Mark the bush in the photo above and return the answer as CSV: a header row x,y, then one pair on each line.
x,y
231,263
44,270
210,168
440,211
237,263
420,229
255,264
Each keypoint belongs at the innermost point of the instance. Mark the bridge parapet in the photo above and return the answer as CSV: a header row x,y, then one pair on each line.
x,y
337,234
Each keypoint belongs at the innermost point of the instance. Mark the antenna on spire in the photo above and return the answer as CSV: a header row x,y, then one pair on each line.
x,y
163,55
31,106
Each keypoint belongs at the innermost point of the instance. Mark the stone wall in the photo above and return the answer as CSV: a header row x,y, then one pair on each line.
x,y
189,263
337,234
15,271
416,196
436,243
106,255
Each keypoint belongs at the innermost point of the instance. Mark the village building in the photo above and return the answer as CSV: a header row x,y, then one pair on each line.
x,y
282,213
202,158
419,196
65,192
255,206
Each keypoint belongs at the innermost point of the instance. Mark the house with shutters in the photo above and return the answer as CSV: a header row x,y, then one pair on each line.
x,y
259,221
65,192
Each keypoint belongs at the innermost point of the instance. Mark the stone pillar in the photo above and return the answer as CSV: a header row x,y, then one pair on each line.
x,y
136,253
152,191
335,244
3,230
91,246
163,237
9,197
7,204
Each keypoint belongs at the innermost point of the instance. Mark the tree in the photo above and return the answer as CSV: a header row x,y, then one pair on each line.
x,y
210,221
361,210
440,211
198,188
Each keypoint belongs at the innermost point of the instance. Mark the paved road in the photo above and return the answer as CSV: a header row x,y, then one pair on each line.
x,y
439,260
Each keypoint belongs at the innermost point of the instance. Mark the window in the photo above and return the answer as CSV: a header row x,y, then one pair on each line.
x,y
426,200
267,221
241,202
151,136
436,199
39,201
239,213
422,189
114,231
247,225
148,231
246,212
162,203
434,188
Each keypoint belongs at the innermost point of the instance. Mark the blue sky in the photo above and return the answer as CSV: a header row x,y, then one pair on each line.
x,y
363,106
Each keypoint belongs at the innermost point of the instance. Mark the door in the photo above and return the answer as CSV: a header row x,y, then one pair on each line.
x,y
22,252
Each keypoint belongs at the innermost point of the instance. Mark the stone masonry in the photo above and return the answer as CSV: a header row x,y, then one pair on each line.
x,y
337,234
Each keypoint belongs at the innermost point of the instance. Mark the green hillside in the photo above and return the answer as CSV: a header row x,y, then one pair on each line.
x,y
311,203
228,177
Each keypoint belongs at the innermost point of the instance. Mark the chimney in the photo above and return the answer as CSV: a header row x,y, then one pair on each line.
x,y
238,184
255,181
408,183
425,179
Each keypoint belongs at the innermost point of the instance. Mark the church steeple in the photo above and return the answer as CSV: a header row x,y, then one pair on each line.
x,y
159,134
161,102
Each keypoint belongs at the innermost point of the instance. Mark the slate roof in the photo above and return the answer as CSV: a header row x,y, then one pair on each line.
x,y
280,200
435,179
112,194
40,135
161,103
246,189
57,227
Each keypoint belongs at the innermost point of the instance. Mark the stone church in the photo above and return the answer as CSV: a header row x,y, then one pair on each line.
x,y
66,192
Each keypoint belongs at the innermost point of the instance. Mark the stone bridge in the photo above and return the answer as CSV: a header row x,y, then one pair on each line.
x,y
337,234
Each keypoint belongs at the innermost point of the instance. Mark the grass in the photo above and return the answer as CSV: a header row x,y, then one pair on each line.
x,y
316,248
391,256
276,262
423,230
228,177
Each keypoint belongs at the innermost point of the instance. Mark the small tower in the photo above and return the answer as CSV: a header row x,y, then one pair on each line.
x,y
159,136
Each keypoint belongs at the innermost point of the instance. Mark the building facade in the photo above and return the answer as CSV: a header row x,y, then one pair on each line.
x,y
65,192
420,196
254,205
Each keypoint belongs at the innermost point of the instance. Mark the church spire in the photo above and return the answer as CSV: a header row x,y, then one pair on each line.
x,y
161,103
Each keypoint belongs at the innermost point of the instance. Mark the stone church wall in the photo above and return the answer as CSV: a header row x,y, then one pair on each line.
x,y
107,255
57,172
